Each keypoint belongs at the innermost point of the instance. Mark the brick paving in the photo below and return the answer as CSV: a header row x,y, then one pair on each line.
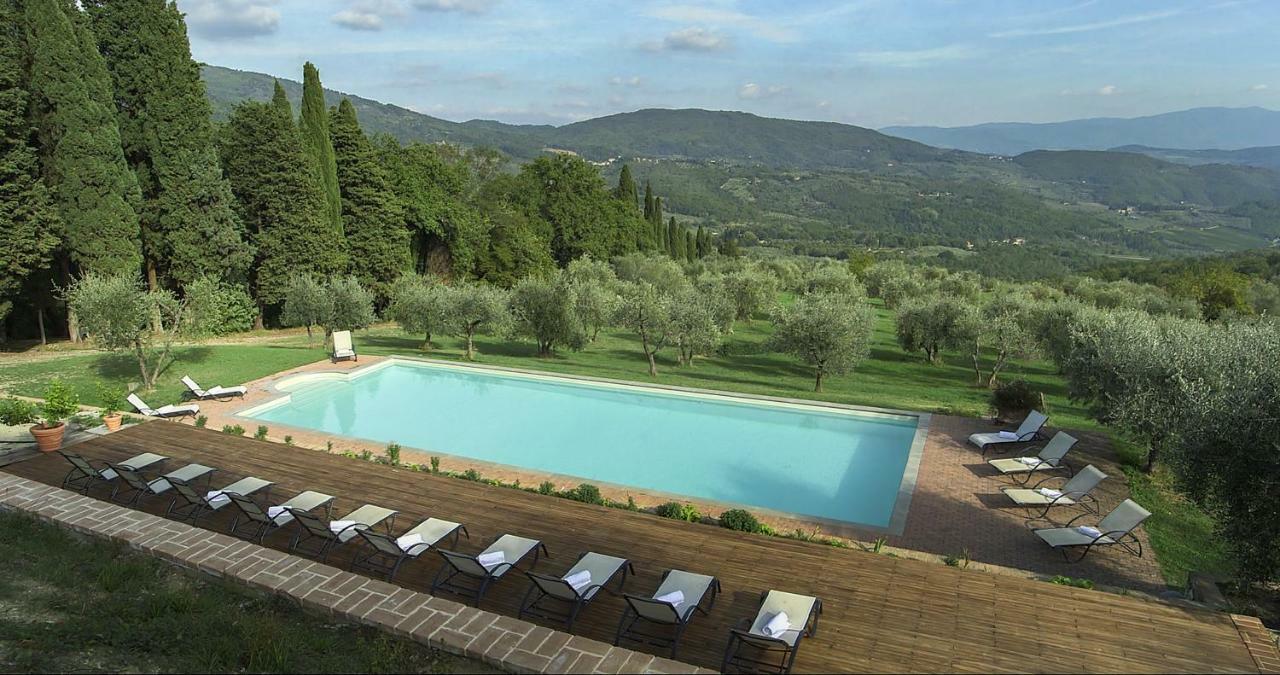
x,y
503,642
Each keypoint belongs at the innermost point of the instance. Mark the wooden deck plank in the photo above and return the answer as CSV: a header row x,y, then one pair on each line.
x,y
881,613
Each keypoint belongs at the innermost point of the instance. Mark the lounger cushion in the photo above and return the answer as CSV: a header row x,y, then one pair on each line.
x,y
343,353
984,439
513,548
1069,536
228,391
602,568
798,609
1007,466
189,409
1029,497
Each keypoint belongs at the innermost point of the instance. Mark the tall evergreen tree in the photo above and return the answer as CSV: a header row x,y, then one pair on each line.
x,y
279,201
377,241
648,201
27,216
626,190
703,242
314,125
280,100
690,246
659,226
675,240
189,226
79,145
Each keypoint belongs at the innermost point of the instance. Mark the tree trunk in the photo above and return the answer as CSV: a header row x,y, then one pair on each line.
x,y
653,365
308,335
996,368
40,321
258,323
73,326
142,365
1152,452
977,371
153,284
817,380
471,349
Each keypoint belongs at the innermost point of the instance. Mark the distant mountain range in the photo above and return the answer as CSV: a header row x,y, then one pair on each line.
x,y
1266,158
1198,128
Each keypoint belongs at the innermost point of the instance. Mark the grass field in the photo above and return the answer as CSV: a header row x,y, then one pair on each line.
x,y
890,378
73,605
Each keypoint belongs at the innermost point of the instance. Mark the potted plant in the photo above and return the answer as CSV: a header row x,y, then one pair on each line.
x,y
1012,400
112,404
60,402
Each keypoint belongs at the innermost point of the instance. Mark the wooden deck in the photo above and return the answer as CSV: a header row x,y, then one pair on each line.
x,y
881,613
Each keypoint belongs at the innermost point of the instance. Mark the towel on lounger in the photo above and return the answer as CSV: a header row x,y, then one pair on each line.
x,y
274,512
408,541
579,580
490,560
1008,435
776,626
674,597
339,525
1050,493
216,496
1031,461
1090,532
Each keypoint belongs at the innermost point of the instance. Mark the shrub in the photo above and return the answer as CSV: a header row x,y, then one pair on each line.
x,y
60,402
236,430
1070,581
678,511
393,453
16,412
223,308
201,421
471,474
547,488
261,433
435,465
113,400
1015,396
740,520
586,493
288,440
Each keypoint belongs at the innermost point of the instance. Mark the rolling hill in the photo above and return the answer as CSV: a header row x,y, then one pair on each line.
x,y
1197,128
1263,158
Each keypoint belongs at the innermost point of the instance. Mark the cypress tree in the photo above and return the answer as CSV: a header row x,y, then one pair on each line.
x,y
626,190
655,217
280,100
189,225
314,125
279,201
81,161
377,241
27,216
675,246
690,246
648,202
703,240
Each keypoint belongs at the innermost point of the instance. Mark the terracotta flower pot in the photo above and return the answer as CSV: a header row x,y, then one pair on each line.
x,y
112,421
49,439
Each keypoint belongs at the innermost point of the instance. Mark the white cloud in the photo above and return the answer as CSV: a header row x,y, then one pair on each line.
x,y
357,20
231,19
1088,27
633,81
694,39
1109,90
823,104
915,58
1259,87
761,28
464,6
752,90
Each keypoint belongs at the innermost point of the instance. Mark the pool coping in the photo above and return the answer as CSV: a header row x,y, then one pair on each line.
x,y
897,520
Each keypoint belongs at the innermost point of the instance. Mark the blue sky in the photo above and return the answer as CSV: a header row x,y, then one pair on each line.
x,y
867,62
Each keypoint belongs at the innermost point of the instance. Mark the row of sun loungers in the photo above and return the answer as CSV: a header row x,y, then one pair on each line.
x,y
218,393
1116,528
770,639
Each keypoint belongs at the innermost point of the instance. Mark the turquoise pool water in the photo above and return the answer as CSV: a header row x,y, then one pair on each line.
x,y
794,459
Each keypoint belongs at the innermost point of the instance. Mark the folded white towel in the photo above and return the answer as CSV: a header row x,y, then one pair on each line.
x,y
579,580
1050,493
1007,435
340,525
216,496
1090,532
1031,461
493,559
777,625
108,474
274,512
674,597
408,541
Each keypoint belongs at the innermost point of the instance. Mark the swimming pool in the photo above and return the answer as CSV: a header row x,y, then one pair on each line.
x,y
830,463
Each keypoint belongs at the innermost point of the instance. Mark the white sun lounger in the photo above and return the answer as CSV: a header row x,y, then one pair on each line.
x,y
342,346
465,567
386,553
1050,458
1115,528
1028,431
188,410
263,522
198,504
673,616
772,651
219,393
547,594
1076,491
330,535
84,474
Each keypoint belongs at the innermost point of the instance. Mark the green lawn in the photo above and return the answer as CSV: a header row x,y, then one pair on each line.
x,y
72,605
890,378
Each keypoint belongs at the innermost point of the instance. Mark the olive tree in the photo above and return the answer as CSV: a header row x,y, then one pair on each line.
x,y
118,313
473,307
751,291
998,327
934,324
306,303
545,308
829,332
695,326
832,279
419,304
663,273
648,312
595,285
352,305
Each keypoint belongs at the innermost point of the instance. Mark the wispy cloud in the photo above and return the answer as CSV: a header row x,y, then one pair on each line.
x,y
1259,87
633,81
697,14
1117,22
694,39
752,90
1108,90
464,6
231,19
915,58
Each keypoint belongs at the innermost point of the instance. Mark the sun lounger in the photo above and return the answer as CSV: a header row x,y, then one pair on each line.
x,y
1028,431
386,553
471,576
770,641
261,522
190,504
1049,458
329,534
1116,528
342,346
169,411
137,487
1078,491
218,393
84,474
562,598
668,610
